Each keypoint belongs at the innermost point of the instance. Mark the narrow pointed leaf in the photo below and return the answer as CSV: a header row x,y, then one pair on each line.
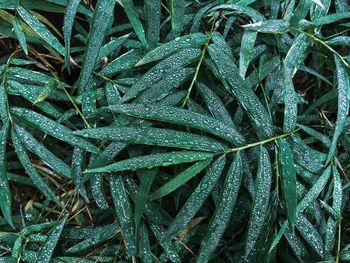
x,y
31,171
68,22
246,52
182,117
177,10
134,20
104,11
269,26
46,251
222,215
155,136
20,35
331,229
244,94
166,66
262,199
153,19
343,105
288,176
294,58
180,179
5,193
196,200
153,160
161,52
51,127
42,152
123,211
40,29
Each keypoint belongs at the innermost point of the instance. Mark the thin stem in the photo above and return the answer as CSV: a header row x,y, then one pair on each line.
x,y
324,44
199,65
277,171
250,145
77,108
338,245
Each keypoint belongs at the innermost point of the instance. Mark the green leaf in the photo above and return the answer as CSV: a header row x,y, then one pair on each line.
x,y
168,246
215,105
68,22
269,26
40,29
134,20
319,136
51,127
177,12
310,234
31,171
182,117
104,11
331,18
144,245
246,52
166,66
163,51
153,160
46,251
294,58
146,180
196,200
123,211
343,105
155,136
288,177
94,237
244,94
153,19
222,215
46,91
125,62
5,193
77,171
20,35
331,228
261,201
42,152
339,41
179,180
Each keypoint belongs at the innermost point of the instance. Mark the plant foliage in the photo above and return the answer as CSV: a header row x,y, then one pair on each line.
x,y
174,131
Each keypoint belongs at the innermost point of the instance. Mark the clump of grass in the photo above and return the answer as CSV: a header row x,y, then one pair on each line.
x,y
181,131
